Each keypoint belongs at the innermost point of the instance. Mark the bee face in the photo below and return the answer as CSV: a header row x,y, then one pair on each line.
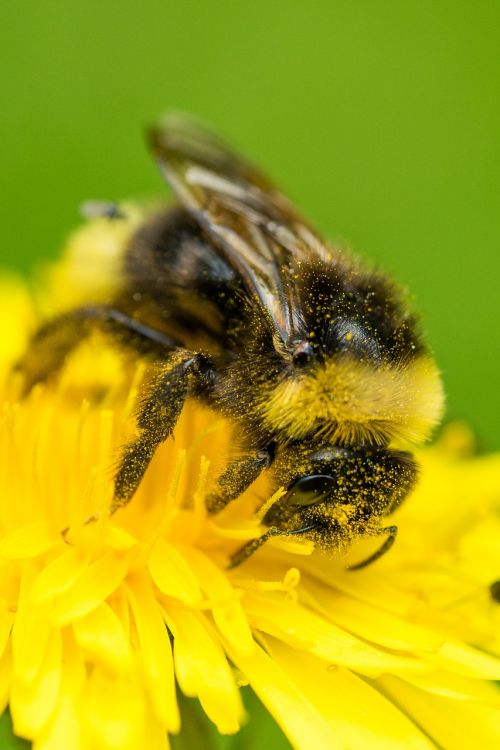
x,y
342,492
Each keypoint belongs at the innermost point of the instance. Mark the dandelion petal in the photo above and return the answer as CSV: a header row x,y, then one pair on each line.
x,y
302,723
202,670
357,713
32,703
28,541
101,634
97,582
467,661
305,630
57,577
227,610
172,574
115,710
155,652
467,727
368,621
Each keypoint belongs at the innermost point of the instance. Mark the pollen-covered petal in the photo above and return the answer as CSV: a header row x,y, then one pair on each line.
x,y
466,727
155,651
101,634
299,719
172,574
357,713
226,607
98,580
305,630
202,669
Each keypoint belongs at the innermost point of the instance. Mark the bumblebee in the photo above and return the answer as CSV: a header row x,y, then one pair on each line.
x,y
239,303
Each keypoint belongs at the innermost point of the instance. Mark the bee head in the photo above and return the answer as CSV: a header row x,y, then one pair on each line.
x,y
358,371
336,489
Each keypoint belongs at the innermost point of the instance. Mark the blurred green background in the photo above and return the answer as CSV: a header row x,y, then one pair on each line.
x,y
380,118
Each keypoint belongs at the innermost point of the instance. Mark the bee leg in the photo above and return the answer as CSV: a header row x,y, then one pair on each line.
x,y
183,374
391,538
252,546
235,479
52,343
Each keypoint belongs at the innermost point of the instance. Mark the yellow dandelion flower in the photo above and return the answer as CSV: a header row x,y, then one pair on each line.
x,y
100,624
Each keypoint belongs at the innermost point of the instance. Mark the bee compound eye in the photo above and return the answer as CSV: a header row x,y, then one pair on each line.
x,y
310,489
350,336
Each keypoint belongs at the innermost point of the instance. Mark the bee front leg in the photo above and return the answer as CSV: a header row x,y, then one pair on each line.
x,y
237,477
183,374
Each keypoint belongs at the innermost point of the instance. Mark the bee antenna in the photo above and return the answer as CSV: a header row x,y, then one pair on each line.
x,y
392,532
101,210
253,545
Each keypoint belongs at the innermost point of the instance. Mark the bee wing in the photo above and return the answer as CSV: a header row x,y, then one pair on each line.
x,y
256,228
